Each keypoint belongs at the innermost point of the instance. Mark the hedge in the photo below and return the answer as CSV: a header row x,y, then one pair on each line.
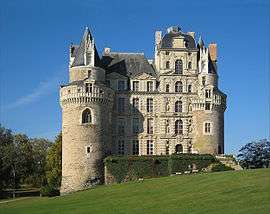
x,y
127,168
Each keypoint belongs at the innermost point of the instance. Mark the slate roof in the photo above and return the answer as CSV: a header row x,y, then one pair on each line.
x,y
79,50
127,64
167,40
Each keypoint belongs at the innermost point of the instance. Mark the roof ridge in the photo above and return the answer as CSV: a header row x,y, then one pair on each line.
x,y
131,53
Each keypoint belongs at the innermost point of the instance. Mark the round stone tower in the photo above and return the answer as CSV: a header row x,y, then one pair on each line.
x,y
86,119
208,108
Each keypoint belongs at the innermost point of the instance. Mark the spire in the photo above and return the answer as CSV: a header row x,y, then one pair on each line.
x,y
85,50
200,42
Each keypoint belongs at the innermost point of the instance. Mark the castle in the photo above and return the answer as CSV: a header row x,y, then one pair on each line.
x,y
125,104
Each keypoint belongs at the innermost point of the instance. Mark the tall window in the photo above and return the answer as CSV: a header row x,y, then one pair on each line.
x,y
121,104
121,85
189,65
167,147
178,148
149,86
167,88
135,104
149,105
207,128
88,87
179,87
121,127
135,125
178,66
150,126
207,106
178,127
207,93
203,80
189,88
86,116
167,64
121,147
178,106
135,147
135,85
149,147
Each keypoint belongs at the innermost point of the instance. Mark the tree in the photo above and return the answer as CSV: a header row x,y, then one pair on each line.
x,y
255,154
6,157
54,163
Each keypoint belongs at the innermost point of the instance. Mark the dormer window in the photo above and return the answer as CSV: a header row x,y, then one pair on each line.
x,y
149,86
167,52
178,66
135,85
88,87
121,85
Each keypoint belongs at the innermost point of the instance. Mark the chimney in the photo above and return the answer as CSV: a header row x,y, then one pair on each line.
x,y
106,51
192,34
158,35
213,51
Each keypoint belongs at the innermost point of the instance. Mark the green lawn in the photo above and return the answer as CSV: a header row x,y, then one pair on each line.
x,y
246,191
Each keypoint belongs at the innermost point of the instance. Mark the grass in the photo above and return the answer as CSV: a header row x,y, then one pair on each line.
x,y
246,191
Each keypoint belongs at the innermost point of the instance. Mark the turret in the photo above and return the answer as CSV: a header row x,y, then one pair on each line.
x,y
208,108
86,118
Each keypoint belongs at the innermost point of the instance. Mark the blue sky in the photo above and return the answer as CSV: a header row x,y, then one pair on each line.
x,y
35,38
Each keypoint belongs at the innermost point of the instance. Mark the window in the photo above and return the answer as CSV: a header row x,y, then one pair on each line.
x,y
178,127
121,104
167,52
89,74
86,116
167,64
203,81
135,104
189,88
135,85
167,126
179,87
167,147
135,147
207,93
121,147
149,105
149,86
121,85
121,127
167,88
178,106
207,106
88,150
189,65
178,149
135,125
178,66
149,147
150,126
88,87
207,128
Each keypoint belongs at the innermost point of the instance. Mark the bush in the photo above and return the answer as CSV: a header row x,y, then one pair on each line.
x,y
218,167
128,168
49,191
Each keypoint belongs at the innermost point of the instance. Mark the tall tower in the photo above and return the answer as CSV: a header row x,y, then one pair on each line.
x,y
86,118
209,106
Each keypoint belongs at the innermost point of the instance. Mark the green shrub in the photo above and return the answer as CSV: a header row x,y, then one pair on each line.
x,y
49,191
218,167
127,168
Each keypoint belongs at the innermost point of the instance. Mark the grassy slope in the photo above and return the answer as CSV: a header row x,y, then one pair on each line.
x,y
224,192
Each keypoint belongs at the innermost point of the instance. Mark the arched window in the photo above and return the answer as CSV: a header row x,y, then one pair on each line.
x,y
86,116
178,148
189,65
178,127
178,66
178,86
178,106
167,64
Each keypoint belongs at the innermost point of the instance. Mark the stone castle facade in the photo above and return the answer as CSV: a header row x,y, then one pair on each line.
x,y
125,104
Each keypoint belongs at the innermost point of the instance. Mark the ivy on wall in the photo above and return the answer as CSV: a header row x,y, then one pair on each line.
x,y
128,168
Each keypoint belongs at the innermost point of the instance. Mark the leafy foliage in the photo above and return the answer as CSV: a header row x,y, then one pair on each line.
x,y
126,168
255,154
218,167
